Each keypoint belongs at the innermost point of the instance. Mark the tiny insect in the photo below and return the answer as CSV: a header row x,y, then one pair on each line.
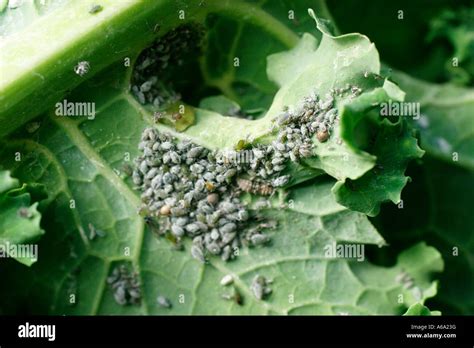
x,y
209,186
197,253
213,198
127,170
24,213
259,287
120,296
152,224
260,188
176,116
95,9
259,239
163,302
263,189
82,68
322,136
165,210
227,280
157,116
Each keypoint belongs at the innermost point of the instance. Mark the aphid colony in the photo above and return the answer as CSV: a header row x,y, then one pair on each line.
x,y
150,75
125,286
188,190
296,127
191,193
294,131
194,192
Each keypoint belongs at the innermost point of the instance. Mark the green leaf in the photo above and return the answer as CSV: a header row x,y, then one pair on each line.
x,y
235,51
220,104
456,26
81,157
16,16
438,210
446,122
361,187
19,218
35,75
419,309
398,27
297,81
394,147
82,163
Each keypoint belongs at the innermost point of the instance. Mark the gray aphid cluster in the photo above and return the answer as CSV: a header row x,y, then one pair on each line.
x,y
148,84
195,192
294,132
314,116
193,195
125,286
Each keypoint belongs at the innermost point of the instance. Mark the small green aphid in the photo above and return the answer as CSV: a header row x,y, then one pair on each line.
x,y
95,9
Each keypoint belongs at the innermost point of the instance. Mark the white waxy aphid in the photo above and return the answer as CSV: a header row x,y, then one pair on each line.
x,y
163,301
192,228
194,152
197,253
259,239
146,86
215,234
227,280
281,181
119,296
257,286
228,228
228,237
166,145
82,68
213,248
226,253
177,230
